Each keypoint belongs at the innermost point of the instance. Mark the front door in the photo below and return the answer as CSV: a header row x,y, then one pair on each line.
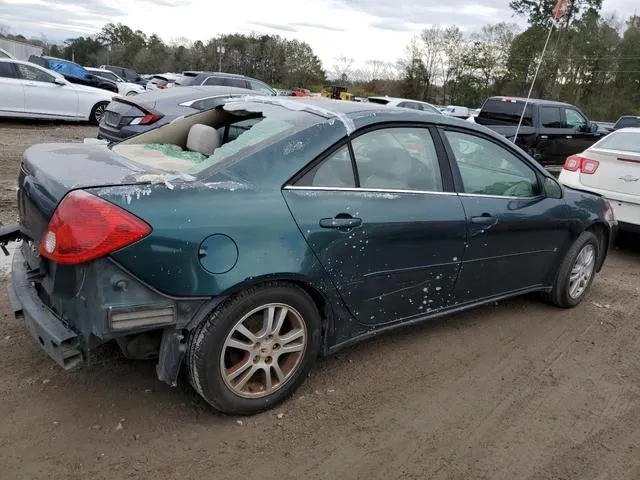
x,y
512,234
12,97
386,227
578,137
44,97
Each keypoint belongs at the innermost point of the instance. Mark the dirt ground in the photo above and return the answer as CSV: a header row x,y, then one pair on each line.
x,y
518,390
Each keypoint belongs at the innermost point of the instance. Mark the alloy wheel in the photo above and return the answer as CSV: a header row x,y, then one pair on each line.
x,y
582,271
99,113
263,350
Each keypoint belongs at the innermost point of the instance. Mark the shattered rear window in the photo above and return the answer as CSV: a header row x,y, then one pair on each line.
x,y
261,133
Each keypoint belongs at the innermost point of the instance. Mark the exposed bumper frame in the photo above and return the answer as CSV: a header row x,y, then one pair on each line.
x,y
61,343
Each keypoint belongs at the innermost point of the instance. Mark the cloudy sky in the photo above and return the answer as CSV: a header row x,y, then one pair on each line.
x,y
360,29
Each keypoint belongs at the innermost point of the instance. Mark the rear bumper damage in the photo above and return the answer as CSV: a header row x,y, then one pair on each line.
x,y
60,342
106,304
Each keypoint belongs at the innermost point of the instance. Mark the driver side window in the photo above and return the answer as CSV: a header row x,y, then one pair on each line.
x,y
487,168
574,119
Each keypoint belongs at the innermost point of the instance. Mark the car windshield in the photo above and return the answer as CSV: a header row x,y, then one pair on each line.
x,y
621,140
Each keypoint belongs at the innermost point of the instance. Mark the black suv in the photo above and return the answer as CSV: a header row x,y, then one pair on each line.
x,y
74,73
195,78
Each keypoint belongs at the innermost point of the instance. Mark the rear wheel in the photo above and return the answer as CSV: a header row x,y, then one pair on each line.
x,y
98,112
256,349
576,272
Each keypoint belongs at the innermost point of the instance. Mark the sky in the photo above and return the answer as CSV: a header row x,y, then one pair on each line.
x,y
359,29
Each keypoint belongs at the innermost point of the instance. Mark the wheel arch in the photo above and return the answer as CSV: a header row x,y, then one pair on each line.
x,y
603,234
317,294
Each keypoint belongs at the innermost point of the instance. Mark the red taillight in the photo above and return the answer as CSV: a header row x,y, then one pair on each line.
x,y
585,165
85,227
149,118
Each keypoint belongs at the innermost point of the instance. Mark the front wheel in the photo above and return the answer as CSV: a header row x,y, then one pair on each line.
x,y
254,350
576,271
98,112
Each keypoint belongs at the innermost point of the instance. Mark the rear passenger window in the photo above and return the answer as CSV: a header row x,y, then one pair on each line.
x,y
487,168
213,81
335,171
398,159
551,117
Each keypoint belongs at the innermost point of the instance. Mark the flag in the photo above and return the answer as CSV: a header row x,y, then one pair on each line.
x,y
560,9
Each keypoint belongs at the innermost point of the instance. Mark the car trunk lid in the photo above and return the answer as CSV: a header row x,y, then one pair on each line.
x,y
49,171
617,172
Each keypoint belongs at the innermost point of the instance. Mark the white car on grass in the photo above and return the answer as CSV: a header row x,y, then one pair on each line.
x,y
124,88
611,168
30,91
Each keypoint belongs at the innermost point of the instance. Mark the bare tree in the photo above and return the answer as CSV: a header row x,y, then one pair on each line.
x,y
343,67
452,63
4,30
432,52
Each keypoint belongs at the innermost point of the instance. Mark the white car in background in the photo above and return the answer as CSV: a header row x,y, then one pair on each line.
x,y
405,103
124,88
611,168
30,91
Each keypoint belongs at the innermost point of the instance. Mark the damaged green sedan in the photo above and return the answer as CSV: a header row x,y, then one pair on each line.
x,y
245,241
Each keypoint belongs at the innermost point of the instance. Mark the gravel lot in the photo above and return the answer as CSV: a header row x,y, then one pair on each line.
x,y
518,390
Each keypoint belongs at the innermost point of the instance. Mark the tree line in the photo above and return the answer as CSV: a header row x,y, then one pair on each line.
x,y
271,58
592,60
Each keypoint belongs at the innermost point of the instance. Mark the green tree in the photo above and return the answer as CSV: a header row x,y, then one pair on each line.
x,y
539,12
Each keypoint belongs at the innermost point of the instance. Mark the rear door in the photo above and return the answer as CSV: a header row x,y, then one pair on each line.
x,y
513,234
12,88
381,216
44,97
553,133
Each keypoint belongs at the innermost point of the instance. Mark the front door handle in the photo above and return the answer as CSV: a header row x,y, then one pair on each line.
x,y
340,222
484,219
569,136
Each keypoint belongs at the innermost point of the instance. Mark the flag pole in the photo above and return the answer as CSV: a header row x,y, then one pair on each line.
x,y
535,76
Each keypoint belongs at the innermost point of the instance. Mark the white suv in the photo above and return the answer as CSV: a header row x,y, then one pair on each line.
x,y
611,168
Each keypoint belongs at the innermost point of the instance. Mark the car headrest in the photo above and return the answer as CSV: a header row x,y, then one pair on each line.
x,y
203,139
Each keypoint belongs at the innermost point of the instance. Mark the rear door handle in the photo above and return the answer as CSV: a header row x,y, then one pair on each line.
x,y
340,222
569,136
484,219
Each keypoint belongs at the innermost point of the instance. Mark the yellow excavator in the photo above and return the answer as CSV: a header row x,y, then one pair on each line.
x,y
336,92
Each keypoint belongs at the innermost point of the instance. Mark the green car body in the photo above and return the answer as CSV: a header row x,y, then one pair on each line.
x,y
371,259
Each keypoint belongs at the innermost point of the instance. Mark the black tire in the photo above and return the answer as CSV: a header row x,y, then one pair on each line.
x,y
207,346
97,112
560,294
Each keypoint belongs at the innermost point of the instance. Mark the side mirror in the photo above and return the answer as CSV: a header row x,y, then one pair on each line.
x,y
593,127
552,189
